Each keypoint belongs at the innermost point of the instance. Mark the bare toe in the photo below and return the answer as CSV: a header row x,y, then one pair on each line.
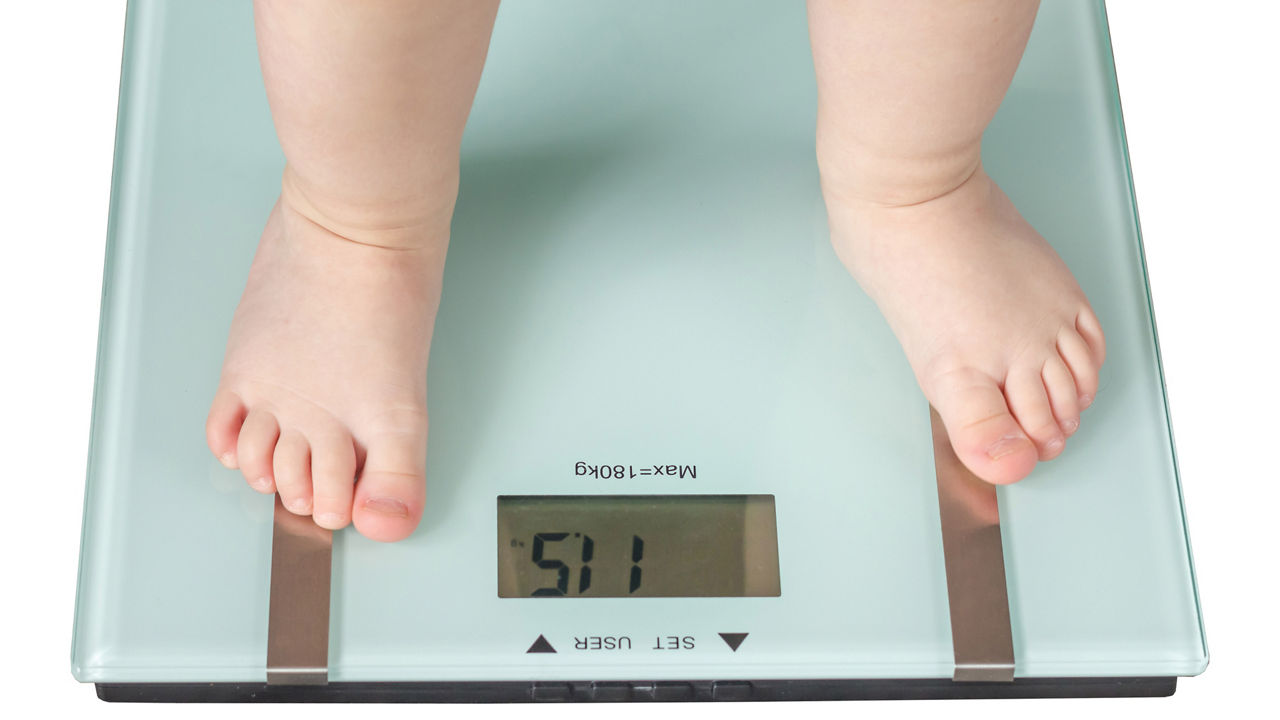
x,y
392,488
1029,402
222,427
292,465
985,435
333,473
1088,326
256,446
1083,363
1063,396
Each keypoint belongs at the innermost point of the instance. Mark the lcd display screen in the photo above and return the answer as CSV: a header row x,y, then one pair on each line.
x,y
584,546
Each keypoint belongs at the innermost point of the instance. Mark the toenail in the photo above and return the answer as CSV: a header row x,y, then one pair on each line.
x,y
1086,401
1006,445
228,460
330,519
1070,426
1054,445
261,483
387,506
299,506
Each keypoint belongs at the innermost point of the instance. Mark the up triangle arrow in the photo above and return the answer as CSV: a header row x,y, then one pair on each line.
x,y
541,646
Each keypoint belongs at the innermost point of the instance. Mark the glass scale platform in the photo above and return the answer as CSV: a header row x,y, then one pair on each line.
x,y
639,278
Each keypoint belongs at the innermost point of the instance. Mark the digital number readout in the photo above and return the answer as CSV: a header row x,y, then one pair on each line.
x,y
581,546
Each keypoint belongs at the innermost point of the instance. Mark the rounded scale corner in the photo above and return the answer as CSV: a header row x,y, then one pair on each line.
x,y
86,665
1201,665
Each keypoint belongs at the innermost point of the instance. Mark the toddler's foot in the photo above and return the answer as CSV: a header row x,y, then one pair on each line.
x,y
324,378
1000,336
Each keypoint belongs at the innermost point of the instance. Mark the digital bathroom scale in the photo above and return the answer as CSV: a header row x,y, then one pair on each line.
x,y
675,452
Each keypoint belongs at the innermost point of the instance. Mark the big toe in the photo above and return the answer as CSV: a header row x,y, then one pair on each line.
x,y
984,434
391,492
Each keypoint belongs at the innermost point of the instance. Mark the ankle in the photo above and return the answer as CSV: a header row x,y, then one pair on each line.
x,y
853,173
418,222
863,228
857,205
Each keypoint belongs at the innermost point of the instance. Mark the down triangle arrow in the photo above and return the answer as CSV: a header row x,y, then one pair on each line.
x,y
733,640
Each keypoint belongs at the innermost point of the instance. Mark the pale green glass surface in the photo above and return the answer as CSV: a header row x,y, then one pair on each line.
x,y
639,274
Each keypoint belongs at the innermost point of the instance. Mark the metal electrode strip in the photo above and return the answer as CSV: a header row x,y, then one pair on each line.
x,y
981,633
298,619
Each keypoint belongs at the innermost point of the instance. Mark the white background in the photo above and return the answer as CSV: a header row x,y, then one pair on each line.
x,y
1199,83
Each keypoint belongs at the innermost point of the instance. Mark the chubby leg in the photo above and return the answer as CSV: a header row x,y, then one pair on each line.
x,y
324,379
1001,339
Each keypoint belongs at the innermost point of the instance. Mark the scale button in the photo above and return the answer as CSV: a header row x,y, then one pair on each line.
x,y
611,691
730,690
552,691
733,640
540,646
673,691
